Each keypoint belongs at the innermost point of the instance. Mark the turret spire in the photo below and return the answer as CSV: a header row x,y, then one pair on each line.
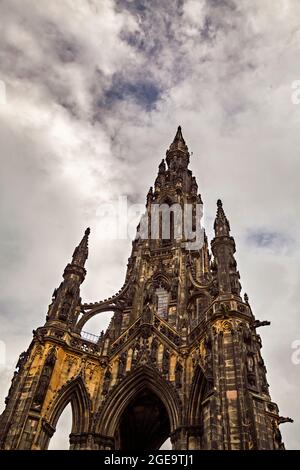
x,y
81,252
179,142
223,248
65,306
178,151
221,225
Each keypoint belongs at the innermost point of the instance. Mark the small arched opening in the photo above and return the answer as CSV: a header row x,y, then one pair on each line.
x,y
61,437
92,329
71,412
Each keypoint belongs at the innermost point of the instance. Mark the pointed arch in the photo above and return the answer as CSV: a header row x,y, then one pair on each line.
x,y
73,392
95,311
161,280
144,377
197,394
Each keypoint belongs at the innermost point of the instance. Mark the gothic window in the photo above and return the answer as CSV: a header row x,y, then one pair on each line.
x,y
162,302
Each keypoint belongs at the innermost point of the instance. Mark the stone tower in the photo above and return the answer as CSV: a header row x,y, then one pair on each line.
x,y
181,357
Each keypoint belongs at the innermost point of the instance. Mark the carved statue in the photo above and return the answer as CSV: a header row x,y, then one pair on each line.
x,y
122,365
225,310
147,313
106,382
277,436
178,374
44,379
21,360
166,362
64,313
154,348
251,377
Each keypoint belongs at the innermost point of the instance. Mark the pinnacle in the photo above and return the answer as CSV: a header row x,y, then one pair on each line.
x,y
179,136
221,217
178,143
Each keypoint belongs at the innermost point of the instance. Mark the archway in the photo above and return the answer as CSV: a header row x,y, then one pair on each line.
x,y
144,424
195,410
74,394
145,393
61,437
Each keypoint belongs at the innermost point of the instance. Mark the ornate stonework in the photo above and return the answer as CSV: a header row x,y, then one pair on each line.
x,y
181,357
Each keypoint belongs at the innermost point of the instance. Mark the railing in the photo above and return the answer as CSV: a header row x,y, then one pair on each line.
x,y
89,337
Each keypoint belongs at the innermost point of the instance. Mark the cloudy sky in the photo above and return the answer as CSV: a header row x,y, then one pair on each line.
x,y
91,94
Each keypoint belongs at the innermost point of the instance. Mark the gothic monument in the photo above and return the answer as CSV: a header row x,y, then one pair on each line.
x,y
181,357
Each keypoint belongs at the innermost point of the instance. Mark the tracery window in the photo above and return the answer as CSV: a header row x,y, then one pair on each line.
x,y
162,302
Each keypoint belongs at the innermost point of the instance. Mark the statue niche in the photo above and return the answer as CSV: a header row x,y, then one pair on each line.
x,y
66,306
44,380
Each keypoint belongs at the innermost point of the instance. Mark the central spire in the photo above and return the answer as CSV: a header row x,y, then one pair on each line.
x,y
178,148
179,136
179,142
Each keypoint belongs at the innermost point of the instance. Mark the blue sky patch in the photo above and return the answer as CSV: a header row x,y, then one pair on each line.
x,y
143,92
269,239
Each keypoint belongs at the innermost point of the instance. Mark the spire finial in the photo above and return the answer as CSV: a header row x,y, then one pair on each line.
x,y
221,225
81,251
178,145
179,137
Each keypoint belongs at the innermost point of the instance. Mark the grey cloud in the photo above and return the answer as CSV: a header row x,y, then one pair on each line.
x,y
263,238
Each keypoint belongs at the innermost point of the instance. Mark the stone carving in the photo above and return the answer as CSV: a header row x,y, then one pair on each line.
x,y
259,323
122,365
154,349
66,307
251,377
21,361
147,313
178,374
166,362
285,420
106,382
44,380
277,436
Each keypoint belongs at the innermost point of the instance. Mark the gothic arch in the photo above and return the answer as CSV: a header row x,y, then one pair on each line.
x,y
90,314
161,280
73,392
197,394
134,384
